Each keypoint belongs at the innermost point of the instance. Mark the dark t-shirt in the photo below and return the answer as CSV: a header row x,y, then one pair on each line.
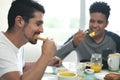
x,y
110,44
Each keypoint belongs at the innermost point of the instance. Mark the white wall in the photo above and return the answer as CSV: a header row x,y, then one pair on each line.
x,y
4,7
33,52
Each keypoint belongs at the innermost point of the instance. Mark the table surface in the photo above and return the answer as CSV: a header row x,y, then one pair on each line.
x,y
50,73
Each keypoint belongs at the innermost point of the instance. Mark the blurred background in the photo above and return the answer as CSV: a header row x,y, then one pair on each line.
x,y
61,20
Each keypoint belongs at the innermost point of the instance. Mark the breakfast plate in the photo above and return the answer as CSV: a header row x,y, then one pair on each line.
x,y
100,76
54,70
49,69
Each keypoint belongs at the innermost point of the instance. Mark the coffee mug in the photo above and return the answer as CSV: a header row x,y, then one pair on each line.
x,y
67,76
114,61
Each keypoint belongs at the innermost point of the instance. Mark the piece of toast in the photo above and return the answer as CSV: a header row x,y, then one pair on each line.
x,y
40,38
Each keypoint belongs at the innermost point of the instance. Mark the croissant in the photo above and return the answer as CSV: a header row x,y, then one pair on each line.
x,y
112,76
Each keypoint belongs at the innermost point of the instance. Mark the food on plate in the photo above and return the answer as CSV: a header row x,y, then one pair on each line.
x,y
100,76
88,63
95,66
61,70
92,34
112,76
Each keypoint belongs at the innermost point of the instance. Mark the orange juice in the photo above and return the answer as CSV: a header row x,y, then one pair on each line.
x,y
96,67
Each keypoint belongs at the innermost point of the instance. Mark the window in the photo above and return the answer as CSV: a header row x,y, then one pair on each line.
x,y
64,17
61,19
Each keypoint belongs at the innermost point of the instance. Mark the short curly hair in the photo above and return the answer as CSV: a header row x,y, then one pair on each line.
x,y
101,7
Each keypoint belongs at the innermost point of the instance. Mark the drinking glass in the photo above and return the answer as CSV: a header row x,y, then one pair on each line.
x,y
96,62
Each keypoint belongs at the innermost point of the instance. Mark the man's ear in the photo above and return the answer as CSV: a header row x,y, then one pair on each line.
x,y
107,23
19,21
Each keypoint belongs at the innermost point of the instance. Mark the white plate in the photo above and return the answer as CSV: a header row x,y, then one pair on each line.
x,y
49,69
100,76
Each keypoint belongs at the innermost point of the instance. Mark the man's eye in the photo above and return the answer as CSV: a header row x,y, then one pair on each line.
x,y
91,21
100,22
38,24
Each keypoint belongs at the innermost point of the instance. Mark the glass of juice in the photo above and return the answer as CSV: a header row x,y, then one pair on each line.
x,y
96,62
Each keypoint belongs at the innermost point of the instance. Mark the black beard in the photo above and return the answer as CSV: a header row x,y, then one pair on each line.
x,y
33,42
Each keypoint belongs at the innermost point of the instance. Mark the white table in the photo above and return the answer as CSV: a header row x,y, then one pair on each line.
x,y
51,75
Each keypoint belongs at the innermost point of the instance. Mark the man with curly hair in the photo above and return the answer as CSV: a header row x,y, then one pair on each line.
x,y
103,42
